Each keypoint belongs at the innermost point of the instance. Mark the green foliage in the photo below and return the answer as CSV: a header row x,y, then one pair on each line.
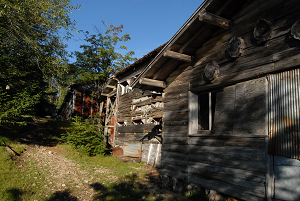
x,y
85,136
31,52
99,58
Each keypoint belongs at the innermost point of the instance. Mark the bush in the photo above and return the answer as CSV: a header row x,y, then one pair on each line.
x,y
86,136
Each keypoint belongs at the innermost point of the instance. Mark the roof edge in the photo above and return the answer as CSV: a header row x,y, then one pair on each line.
x,y
172,40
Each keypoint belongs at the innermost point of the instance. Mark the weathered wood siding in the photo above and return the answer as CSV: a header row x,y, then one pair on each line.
x,y
231,158
135,108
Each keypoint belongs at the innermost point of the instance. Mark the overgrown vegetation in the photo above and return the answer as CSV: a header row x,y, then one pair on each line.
x,y
86,136
31,54
22,178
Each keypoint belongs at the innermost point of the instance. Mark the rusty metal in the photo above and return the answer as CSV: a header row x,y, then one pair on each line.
x,y
284,113
132,149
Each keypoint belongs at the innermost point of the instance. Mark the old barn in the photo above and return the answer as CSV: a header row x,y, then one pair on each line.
x,y
133,118
79,101
229,80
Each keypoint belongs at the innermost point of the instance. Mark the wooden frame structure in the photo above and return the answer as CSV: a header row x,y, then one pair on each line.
x,y
227,48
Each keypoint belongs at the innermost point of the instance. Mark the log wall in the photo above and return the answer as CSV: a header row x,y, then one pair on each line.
x,y
230,158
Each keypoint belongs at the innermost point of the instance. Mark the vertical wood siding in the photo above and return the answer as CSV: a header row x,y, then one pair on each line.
x,y
284,114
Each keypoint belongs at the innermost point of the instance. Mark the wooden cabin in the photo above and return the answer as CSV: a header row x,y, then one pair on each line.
x,y
79,101
133,117
230,84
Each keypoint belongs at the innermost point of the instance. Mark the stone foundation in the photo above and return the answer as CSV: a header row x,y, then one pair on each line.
x,y
180,186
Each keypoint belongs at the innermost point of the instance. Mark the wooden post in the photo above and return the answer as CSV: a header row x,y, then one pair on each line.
x,y
178,56
212,70
116,112
295,31
263,30
106,119
235,46
214,19
193,113
151,82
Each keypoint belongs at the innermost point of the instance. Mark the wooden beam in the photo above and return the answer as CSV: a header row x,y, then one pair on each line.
x,y
151,82
111,86
178,56
214,19
161,69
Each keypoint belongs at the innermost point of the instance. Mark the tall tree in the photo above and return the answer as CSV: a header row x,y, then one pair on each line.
x,y
100,58
31,52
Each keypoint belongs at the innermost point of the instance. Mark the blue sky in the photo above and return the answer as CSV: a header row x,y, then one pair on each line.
x,y
150,23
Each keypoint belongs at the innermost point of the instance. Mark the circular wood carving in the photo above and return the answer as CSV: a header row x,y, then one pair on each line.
x,y
212,70
263,30
235,46
295,31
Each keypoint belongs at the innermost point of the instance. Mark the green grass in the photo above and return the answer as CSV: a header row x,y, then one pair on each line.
x,y
110,162
23,181
16,182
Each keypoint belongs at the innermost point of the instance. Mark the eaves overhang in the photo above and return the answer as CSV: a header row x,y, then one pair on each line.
x,y
210,17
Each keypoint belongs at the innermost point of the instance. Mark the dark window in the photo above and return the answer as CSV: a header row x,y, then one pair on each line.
x,y
206,107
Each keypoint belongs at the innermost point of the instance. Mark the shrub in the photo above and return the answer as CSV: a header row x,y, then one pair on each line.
x,y
86,136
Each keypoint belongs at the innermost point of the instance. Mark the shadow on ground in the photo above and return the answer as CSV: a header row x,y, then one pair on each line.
x,y
62,196
45,132
15,194
129,189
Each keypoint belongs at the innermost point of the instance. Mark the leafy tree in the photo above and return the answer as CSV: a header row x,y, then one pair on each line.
x,y
99,57
31,52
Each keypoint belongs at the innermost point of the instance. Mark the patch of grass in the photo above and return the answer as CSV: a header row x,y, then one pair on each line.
x,y
111,163
18,183
196,195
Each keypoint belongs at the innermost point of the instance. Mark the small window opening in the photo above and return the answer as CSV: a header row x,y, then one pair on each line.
x,y
206,107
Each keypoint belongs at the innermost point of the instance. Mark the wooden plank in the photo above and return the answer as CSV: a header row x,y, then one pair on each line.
x,y
177,157
175,148
178,56
169,91
193,112
167,135
229,176
246,154
135,128
176,115
175,97
248,115
175,140
175,129
228,141
230,160
226,172
175,123
151,82
226,189
176,105
214,19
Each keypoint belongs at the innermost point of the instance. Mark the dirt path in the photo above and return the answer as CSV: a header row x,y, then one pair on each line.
x,y
66,180
62,176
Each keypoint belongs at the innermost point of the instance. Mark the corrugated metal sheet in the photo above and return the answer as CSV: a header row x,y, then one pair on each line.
x,y
284,114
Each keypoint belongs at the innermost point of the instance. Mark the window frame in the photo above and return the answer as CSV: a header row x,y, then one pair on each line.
x,y
194,113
